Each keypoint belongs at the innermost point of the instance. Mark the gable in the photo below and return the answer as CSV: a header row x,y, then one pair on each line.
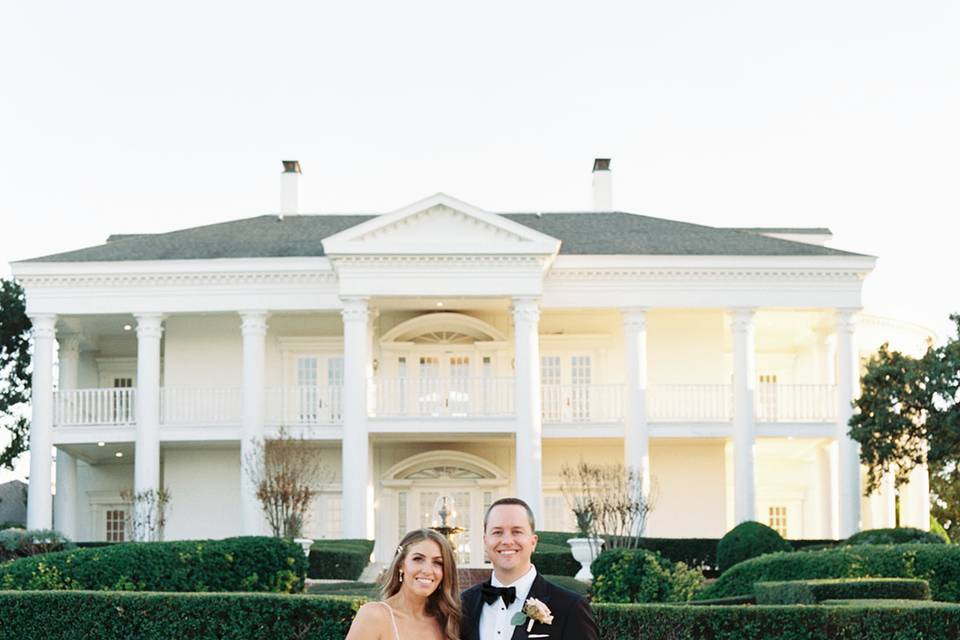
x,y
440,225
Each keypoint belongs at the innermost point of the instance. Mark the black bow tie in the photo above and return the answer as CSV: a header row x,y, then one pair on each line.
x,y
491,593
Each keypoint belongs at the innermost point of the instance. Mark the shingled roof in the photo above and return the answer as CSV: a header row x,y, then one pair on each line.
x,y
593,233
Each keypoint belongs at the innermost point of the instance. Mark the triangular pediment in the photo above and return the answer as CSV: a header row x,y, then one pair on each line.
x,y
442,225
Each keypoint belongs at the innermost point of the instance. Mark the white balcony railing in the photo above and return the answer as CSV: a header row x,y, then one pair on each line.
x,y
795,403
690,403
443,397
80,407
303,405
566,403
446,397
200,405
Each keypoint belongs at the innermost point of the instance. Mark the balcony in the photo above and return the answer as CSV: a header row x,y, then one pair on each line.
x,y
435,398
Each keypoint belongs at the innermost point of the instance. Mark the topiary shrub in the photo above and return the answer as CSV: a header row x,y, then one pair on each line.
x,y
233,564
339,559
748,540
899,535
638,575
938,564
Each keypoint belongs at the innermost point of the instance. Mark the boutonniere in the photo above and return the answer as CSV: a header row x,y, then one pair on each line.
x,y
533,611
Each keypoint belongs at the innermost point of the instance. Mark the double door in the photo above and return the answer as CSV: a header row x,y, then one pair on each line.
x,y
566,381
319,386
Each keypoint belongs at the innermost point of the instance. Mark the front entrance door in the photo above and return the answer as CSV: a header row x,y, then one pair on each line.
x,y
417,508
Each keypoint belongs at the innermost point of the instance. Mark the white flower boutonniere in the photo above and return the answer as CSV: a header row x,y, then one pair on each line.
x,y
533,611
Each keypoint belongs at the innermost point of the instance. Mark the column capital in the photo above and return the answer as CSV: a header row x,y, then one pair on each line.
x,y
845,319
253,321
526,309
634,317
741,318
149,325
69,343
355,309
44,325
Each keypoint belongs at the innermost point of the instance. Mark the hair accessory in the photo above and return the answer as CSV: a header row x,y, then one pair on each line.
x,y
399,548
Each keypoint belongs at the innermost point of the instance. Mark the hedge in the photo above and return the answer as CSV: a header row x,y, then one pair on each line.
x,y
898,535
639,575
816,591
939,564
849,621
555,559
339,559
699,553
80,615
748,540
233,564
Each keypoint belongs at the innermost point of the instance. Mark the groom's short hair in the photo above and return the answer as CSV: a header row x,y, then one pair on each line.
x,y
506,501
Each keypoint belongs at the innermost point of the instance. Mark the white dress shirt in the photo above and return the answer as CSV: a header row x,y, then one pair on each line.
x,y
495,618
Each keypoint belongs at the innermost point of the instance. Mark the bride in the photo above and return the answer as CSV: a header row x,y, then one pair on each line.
x,y
420,597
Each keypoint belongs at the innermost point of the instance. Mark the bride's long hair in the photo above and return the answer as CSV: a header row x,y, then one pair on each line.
x,y
444,602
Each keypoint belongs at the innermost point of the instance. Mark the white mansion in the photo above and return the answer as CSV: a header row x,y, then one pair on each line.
x,y
446,350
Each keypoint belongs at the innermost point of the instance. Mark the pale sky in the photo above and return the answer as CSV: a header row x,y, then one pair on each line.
x,y
123,117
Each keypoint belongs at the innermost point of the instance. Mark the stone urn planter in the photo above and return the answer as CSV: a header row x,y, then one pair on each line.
x,y
584,551
305,544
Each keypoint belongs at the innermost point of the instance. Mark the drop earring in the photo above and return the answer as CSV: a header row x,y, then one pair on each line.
x,y
401,576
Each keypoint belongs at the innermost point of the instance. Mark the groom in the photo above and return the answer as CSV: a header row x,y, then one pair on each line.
x,y
494,610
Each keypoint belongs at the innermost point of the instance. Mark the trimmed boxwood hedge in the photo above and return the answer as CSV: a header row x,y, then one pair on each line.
x,y
339,559
850,621
555,559
939,564
234,564
80,615
898,535
748,540
815,591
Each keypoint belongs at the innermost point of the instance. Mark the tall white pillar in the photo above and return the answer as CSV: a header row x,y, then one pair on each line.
x,y
636,435
356,444
253,327
915,499
828,494
744,383
39,496
65,500
146,461
529,428
848,456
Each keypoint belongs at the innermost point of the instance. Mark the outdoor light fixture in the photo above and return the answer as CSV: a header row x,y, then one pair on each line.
x,y
439,304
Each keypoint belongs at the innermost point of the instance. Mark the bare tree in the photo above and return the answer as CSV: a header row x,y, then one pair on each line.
x,y
607,501
287,474
148,514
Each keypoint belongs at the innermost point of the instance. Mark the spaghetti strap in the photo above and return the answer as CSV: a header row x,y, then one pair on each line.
x,y
393,621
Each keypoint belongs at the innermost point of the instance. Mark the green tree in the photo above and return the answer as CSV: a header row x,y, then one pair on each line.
x,y
14,370
907,415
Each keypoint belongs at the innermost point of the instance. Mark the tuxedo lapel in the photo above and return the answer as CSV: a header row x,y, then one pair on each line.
x,y
476,607
540,589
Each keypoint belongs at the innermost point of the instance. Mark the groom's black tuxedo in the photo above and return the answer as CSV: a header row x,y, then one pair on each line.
x,y
572,618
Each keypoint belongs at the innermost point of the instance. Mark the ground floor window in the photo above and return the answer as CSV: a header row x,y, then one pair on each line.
x,y
115,524
777,519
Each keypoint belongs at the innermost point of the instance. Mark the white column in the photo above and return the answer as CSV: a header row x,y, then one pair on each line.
x,y
356,444
529,449
915,499
146,461
39,497
65,499
848,456
636,435
253,327
744,382
828,494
